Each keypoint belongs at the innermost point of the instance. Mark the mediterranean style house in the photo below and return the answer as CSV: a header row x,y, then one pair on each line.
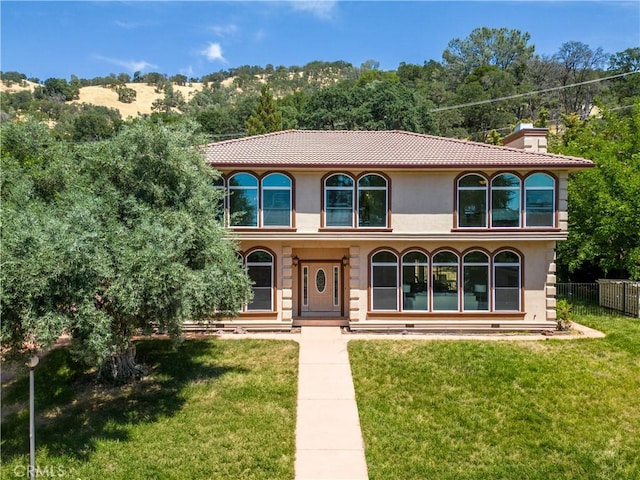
x,y
392,230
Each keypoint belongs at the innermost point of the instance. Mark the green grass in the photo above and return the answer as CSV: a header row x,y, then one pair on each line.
x,y
209,409
502,410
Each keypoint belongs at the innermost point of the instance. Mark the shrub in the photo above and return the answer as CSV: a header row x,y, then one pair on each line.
x,y
564,316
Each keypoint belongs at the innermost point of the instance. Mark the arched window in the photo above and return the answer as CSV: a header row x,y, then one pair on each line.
x,y
415,286
506,268
243,200
384,281
260,271
472,201
276,200
475,267
338,201
372,201
445,281
505,201
539,200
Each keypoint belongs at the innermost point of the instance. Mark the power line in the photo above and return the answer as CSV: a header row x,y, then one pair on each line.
x,y
519,95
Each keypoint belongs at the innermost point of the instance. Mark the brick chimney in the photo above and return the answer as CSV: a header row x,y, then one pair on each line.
x,y
527,137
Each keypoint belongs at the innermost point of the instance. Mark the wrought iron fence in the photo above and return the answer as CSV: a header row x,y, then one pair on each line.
x,y
599,298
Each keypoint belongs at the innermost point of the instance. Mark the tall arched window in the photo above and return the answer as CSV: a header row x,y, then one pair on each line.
x,y
372,201
472,201
445,281
539,200
338,201
475,267
506,268
243,200
384,281
276,200
415,285
260,271
505,201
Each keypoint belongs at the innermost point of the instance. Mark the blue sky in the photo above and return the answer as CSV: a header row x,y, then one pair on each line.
x,y
95,38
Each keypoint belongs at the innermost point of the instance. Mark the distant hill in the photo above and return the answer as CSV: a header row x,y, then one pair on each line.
x,y
145,96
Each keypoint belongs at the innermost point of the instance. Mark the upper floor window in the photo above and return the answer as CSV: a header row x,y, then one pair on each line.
x,y
338,201
372,201
503,203
364,203
243,200
266,202
472,201
539,200
276,200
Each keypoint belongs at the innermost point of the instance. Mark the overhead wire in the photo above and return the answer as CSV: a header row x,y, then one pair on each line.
x,y
526,94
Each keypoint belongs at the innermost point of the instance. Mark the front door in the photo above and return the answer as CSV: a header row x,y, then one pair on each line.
x,y
321,289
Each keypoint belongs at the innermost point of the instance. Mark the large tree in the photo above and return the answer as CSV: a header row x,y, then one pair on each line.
x,y
505,49
604,202
265,118
108,239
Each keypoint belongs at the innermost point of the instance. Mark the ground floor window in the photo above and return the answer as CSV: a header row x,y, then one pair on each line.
x,y
384,281
260,270
446,281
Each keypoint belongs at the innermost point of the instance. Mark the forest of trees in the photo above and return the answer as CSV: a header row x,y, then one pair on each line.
x,y
77,179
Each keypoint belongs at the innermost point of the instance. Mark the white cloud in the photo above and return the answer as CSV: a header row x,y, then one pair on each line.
x,y
323,9
130,65
213,52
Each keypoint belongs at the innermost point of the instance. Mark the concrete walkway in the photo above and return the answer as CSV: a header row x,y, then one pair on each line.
x,y
328,438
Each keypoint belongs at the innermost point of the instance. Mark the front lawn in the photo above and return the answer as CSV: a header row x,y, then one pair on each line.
x,y
544,410
210,409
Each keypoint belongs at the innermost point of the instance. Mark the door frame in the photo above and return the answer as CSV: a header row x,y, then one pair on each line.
x,y
341,297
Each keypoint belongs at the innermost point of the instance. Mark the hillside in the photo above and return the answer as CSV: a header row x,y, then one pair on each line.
x,y
145,96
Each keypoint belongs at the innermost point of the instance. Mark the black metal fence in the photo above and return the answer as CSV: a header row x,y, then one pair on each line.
x,y
594,299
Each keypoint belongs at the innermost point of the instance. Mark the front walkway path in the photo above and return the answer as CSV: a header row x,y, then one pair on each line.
x,y
328,439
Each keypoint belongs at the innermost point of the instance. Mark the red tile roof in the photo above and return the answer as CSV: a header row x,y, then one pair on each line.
x,y
374,149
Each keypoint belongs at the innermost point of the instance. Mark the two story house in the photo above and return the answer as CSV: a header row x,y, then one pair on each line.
x,y
392,230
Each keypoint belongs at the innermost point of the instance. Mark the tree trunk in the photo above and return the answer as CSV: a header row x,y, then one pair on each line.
x,y
121,367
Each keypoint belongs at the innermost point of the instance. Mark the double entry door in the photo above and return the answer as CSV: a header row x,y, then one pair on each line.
x,y
321,288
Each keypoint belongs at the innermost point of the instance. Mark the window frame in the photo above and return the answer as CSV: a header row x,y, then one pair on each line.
x,y
554,194
460,209
362,189
231,189
372,265
272,265
413,288
325,200
495,265
493,191
523,221
263,189
435,264
476,291
356,189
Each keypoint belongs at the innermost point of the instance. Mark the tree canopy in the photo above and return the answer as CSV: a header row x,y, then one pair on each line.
x,y
107,239
604,202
